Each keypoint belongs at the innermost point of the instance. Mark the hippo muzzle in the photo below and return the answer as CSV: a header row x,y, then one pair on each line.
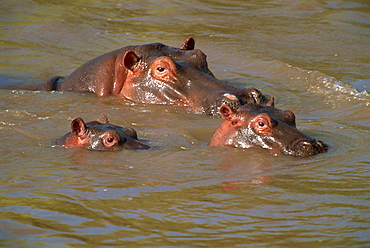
x,y
306,147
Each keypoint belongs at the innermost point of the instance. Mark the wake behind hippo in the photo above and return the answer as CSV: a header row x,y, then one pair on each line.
x,y
155,74
253,125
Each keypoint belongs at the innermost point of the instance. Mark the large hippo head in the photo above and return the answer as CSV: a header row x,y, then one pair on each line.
x,y
100,136
253,125
157,74
179,78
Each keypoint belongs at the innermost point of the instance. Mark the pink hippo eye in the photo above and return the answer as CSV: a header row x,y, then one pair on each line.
x,y
262,124
110,139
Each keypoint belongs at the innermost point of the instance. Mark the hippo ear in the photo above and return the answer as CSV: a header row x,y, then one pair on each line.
x,y
188,44
131,132
289,117
226,112
78,127
130,59
271,103
103,119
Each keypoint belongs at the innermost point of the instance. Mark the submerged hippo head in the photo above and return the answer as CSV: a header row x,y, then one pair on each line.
x,y
253,125
100,136
162,80
179,77
155,73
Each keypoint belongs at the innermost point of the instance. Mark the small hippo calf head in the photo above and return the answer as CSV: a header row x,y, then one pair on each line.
x,y
253,125
100,136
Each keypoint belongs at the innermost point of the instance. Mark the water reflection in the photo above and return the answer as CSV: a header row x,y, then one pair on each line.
x,y
307,54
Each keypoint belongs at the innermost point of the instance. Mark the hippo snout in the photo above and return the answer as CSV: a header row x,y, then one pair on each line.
x,y
252,95
307,147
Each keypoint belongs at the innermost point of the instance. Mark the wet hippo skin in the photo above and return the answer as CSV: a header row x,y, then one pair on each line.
x,y
157,74
100,136
254,125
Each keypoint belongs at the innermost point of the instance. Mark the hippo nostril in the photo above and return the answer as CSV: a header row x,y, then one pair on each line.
x,y
305,143
231,100
256,95
321,146
307,146
231,97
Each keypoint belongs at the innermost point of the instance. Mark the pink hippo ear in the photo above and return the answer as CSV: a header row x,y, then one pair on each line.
x,y
188,44
78,127
228,114
130,59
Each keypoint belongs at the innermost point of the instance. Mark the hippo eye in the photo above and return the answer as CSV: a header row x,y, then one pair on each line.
x,y
262,124
160,69
110,139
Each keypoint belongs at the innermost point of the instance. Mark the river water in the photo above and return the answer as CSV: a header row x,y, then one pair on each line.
x,y
313,56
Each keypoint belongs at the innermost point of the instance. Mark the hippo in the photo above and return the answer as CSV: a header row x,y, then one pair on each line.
x,y
156,74
100,136
254,125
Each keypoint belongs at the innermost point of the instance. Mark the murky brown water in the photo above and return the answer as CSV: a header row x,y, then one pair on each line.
x,y
313,56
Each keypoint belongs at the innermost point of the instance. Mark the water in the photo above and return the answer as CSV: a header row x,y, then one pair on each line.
x,y
313,56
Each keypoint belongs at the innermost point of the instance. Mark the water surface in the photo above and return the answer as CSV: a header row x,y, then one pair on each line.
x,y
313,56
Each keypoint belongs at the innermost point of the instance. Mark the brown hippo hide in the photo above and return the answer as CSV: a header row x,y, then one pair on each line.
x,y
156,74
